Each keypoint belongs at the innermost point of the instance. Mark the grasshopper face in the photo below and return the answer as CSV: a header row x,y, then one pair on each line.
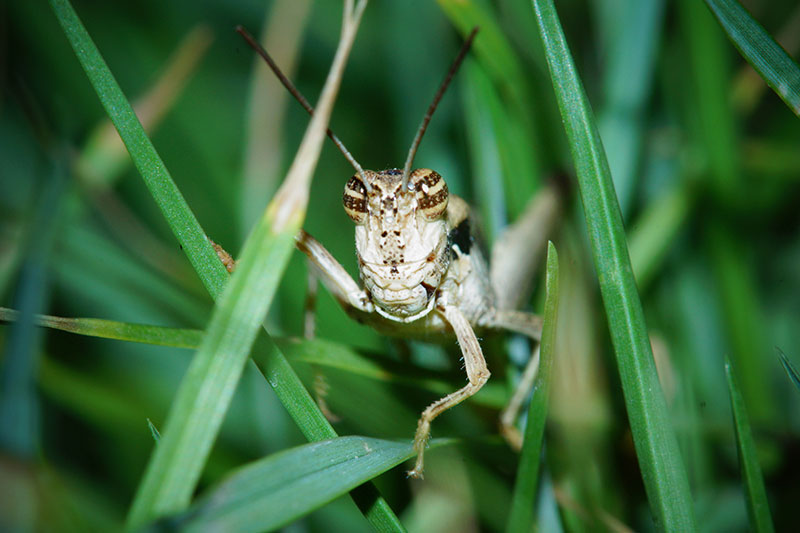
x,y
401,239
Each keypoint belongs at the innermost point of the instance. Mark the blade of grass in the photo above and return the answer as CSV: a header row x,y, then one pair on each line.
x,y
758,47
202,256
103,158
317,352
663,472
272,492
757,505
749,87
523,500
154,431
111,329
195,415
315,427
790,369
491,47
169,199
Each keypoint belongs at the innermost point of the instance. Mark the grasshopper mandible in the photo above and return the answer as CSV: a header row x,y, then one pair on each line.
x,y
422,274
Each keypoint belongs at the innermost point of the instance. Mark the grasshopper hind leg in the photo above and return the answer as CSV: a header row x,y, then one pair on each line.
x,y
529,325
519,250
515,256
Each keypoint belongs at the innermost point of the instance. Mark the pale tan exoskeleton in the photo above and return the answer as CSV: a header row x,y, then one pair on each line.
x,y
421,273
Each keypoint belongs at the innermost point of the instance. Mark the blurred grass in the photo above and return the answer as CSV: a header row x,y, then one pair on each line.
x,y
711,215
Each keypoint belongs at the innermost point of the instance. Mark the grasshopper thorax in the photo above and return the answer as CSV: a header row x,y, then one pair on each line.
x,y
401,238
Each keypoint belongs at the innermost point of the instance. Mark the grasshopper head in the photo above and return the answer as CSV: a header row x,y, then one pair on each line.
x,y
401,238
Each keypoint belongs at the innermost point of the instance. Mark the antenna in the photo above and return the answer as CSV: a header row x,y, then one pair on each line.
x,y
300,98
428,114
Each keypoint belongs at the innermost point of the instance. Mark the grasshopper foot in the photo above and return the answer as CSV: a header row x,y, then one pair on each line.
x,y
512,436
224,257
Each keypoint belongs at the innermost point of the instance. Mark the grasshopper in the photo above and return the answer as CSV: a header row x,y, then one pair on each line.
x,y
422,274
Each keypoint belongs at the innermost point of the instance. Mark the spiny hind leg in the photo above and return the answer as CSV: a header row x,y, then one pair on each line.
x,y
519,250
529,325
477,373
516,254
508,416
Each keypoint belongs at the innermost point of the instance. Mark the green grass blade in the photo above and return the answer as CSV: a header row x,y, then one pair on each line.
x,y
663,472
757,505
315,427
316,352
274,491
206,390
758,47
195,415
523,501
333,355
154,431
104,158
110,329
202,257
790,369
172,204
491,46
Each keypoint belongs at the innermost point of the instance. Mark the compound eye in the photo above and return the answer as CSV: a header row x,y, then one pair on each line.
x,y
355,200
431,191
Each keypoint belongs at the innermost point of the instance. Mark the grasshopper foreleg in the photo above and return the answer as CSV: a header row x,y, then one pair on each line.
x,y
477,373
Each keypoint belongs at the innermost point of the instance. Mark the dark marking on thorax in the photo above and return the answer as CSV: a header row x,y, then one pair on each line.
x,y
461,236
